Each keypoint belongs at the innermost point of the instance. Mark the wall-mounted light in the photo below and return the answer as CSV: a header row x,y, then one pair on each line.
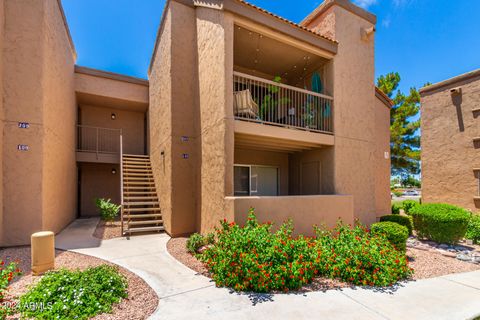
x,y
455,91
114,171
113,116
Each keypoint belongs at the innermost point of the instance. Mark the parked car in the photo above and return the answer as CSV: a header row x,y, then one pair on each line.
x,y
411,193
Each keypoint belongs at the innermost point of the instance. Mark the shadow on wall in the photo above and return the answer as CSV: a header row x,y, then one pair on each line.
x,y
457,102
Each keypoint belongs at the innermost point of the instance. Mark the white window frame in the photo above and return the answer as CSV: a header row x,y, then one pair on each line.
x,y
249,166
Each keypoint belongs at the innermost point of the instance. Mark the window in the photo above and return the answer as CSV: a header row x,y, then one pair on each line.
x,y
255,180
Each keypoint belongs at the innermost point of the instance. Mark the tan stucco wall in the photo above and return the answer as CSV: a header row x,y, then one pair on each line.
x,y
59,182
2,116
382,160
266,158
132,125
99,90
38,88
215,71
160,119
448,152
305,211
353,89
174,120
97,181
324,157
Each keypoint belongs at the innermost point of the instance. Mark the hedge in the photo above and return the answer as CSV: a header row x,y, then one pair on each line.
x,y
442,223
473,229
401,220
408,205
394,232
396,208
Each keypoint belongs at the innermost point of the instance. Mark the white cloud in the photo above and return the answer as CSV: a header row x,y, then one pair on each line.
x,y
366,3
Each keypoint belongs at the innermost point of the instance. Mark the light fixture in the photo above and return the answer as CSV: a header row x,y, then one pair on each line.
x,y
113,116
114,171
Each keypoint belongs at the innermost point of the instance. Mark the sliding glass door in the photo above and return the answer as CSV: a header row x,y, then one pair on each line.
x,y
250,180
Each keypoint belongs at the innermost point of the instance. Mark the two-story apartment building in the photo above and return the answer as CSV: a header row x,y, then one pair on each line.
x,y
451,141
242,109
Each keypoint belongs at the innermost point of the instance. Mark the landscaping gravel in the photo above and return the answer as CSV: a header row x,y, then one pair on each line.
x,y
107,230
141,302
426,264
429,264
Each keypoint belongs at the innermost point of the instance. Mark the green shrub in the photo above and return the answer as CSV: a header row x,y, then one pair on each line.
x,y
194,242
408,205
442,223
396,208
361,257
7,273
473,229
252,258
405,221
108,210
395,233
76,294
397,193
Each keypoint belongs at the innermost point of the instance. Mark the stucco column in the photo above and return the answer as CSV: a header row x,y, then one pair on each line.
x,y
215,76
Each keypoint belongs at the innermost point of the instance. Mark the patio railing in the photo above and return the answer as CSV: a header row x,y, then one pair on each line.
x,y
98,140
264,101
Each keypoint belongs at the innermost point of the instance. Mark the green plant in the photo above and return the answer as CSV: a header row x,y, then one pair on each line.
x,y
396,208
65,294
408,205
194,242
394,232
252,258
7,273
442,223
108,210
405,221
272,100
360,257
473,229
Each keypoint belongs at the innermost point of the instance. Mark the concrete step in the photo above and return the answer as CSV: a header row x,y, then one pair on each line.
x,y
144,229
135,183
144,173
142,203
142,216
128,198
126,155
128,210
144,222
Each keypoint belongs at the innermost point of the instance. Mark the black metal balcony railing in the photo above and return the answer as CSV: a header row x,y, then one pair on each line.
x,y
260,100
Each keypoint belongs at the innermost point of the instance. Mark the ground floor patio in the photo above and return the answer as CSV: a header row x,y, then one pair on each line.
x,y
186,295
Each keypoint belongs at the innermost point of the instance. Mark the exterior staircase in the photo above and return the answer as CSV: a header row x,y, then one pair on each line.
x,y
140,205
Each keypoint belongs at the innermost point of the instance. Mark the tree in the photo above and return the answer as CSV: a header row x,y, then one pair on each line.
x,y
405,140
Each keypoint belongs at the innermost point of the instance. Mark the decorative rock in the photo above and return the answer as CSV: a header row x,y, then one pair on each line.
x,y
444,246
202,249
464,257
469,242
448,254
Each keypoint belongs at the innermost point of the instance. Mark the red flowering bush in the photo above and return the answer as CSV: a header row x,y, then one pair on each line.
x,y
7,274
357,256
253,258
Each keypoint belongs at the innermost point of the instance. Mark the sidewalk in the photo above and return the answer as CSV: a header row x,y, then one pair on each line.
x,y
186,295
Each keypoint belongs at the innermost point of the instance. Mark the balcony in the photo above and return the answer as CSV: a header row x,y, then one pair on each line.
x,y
273,103
95,144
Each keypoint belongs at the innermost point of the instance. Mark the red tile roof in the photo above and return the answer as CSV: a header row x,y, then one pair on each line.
x,y
286,20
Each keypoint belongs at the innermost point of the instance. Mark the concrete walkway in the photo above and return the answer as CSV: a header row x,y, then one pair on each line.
x,y
186,295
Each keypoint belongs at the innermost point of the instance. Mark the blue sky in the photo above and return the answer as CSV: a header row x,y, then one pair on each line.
x,y
423,40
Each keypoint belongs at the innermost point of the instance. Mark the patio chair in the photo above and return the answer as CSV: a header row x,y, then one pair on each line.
x,y
244,105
